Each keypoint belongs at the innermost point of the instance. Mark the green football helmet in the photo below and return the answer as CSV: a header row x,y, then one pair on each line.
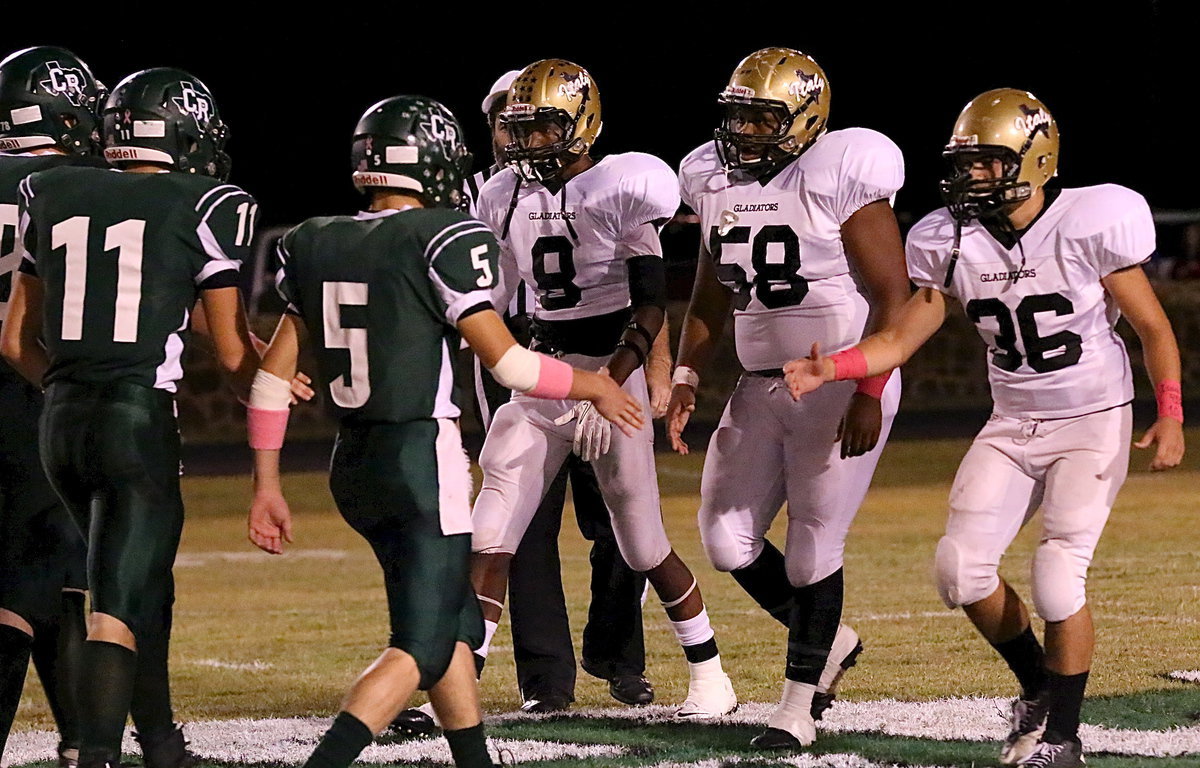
x,y
412,143
167,116
48,98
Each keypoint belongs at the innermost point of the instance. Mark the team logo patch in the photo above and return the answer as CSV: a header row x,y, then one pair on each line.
x,y
194,103
728,220
574,85
807,85
1033,121
63,81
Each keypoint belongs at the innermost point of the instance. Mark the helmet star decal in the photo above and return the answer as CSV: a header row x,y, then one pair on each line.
x,y
194,103
1033,120
65,82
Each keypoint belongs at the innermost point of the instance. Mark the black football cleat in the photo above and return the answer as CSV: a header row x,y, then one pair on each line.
x,y
634,690
414,724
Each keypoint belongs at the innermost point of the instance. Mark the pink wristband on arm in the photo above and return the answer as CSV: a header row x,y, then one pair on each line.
x,y
1170,400
849,364
873,386
554,379
266,428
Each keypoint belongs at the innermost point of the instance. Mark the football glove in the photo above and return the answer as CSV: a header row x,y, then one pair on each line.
x,y
593,432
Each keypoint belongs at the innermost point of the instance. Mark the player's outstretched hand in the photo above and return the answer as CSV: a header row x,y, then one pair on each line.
x,y
679,411
617,405
302,388
1168,435
658,382
806,374
860,427
270,523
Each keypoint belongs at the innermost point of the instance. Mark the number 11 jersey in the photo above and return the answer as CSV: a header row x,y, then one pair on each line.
x,y
1038,303
778,244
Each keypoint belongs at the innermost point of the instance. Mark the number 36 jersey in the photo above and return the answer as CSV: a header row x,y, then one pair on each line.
x,y
123,257
565,243
778,245
1039,305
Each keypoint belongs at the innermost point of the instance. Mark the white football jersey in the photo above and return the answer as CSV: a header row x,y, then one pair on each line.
x,y
564,244
778,246
1045,316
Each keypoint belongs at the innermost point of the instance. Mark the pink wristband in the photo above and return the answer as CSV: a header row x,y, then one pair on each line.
x,y
873,386
266,428
1170,400
849,364
554,379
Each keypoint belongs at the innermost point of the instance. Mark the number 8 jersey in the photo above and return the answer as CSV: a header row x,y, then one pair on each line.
x,y
778,245
565,243
1053,351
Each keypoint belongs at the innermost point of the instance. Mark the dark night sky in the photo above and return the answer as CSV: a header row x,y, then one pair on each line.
x,y
1120,86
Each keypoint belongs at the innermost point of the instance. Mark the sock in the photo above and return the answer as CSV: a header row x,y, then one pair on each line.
x,y
151,706
1065,698
341,744
697,637
104,694
812,627
1025,657
468,746
15,646
795,707
72,640
766,581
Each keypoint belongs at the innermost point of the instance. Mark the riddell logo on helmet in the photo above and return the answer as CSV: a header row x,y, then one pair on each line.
x,y
1033,121
194,103
7,144
807,85
67,83
573,85
739,91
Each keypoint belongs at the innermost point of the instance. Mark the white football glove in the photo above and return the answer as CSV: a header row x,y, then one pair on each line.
x,y
593,432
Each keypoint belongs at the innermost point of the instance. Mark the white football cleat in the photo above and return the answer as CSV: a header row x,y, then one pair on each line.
x,y
709,697
842,656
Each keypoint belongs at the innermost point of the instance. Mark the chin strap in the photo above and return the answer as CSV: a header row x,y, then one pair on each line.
x,y
512,207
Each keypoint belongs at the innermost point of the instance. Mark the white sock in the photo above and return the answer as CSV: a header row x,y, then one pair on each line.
x,y
795,706
706,670
489,630
693,631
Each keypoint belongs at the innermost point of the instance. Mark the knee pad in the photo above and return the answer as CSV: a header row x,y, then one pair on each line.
x,y
1059,580
809,559
725,550
961,578
432,655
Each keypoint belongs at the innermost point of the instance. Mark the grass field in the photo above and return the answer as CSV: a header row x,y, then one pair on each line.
x,y
260,637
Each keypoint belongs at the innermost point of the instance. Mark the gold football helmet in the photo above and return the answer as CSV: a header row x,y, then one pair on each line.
x,y
1006,126
553,116
776,105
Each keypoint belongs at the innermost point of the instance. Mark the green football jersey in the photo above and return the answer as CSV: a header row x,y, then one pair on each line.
x,y
381,294
123,257
13,170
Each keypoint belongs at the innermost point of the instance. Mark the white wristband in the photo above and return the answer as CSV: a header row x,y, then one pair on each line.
x,y
686,376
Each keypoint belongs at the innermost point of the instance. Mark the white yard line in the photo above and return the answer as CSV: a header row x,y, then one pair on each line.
x,y
200,559
1186,675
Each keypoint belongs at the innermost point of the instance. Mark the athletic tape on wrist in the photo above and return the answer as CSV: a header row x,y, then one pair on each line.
x,y
686,376
849,364
266,427
873,386
1169,395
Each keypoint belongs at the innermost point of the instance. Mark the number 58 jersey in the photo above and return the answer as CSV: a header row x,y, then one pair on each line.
x,y
778,246
1053,351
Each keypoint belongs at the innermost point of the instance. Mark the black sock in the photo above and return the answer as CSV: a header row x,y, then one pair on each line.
x,y
812,627
1025,657
343,742
72,639
468,746
14,661
701,651
151,705
1065,698
766,581
105,690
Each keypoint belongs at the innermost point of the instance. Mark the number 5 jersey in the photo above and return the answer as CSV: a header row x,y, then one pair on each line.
x,y
1053,351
